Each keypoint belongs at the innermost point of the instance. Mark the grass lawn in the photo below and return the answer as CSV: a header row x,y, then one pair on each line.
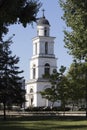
x,y
36,123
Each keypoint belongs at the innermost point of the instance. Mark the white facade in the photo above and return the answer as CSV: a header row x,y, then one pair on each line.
x,y
42,62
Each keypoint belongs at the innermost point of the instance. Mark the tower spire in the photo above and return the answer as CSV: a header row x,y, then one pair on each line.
x,y
43,12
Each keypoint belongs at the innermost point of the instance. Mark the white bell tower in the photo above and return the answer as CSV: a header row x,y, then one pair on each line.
x,y
43,62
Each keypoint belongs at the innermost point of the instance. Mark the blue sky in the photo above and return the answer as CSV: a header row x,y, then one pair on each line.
x,y
22,41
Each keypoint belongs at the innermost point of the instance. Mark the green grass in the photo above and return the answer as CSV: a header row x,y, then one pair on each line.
x,y
44,124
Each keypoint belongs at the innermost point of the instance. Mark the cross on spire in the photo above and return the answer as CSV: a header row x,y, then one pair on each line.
x,y
43,12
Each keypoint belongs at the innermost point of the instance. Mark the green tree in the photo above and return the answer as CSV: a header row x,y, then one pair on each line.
x,y
59,87
17,11
75,16
63,87
10,81
76,78
51,93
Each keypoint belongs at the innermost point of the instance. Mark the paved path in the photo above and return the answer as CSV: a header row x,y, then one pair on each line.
x,y
45,113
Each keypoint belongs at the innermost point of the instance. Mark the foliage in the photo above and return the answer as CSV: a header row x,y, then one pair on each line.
x,y
17,11
75,16
77,82
59,87
10,81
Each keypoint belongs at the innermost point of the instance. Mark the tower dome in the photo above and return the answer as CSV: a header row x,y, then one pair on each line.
x,y
43,21
43,26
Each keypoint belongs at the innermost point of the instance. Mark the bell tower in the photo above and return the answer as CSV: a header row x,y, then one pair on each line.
x,y
43,62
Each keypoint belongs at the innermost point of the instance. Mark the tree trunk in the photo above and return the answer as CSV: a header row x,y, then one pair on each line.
x,y
4,110
86,91
63,109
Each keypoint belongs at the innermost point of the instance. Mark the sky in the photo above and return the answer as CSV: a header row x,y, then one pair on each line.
x,y
22,41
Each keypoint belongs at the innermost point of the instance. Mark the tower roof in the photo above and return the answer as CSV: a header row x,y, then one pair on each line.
x,y
43,20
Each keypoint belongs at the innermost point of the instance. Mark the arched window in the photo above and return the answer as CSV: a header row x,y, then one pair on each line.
x,y
31,97
34,71
46,47
45,31
47,69
31,90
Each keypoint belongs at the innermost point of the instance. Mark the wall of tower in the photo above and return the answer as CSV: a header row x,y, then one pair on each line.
x,y
39,65
37,98
39,45
43,30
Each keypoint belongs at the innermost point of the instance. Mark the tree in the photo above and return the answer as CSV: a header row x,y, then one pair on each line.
x,y
10,81
51,93
17,11
75,16
59,87
76,78
63,87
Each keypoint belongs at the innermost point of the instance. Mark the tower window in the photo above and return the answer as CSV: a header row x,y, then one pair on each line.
x,y
34,72
31,90
45,32
47,69
31,97
46,47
